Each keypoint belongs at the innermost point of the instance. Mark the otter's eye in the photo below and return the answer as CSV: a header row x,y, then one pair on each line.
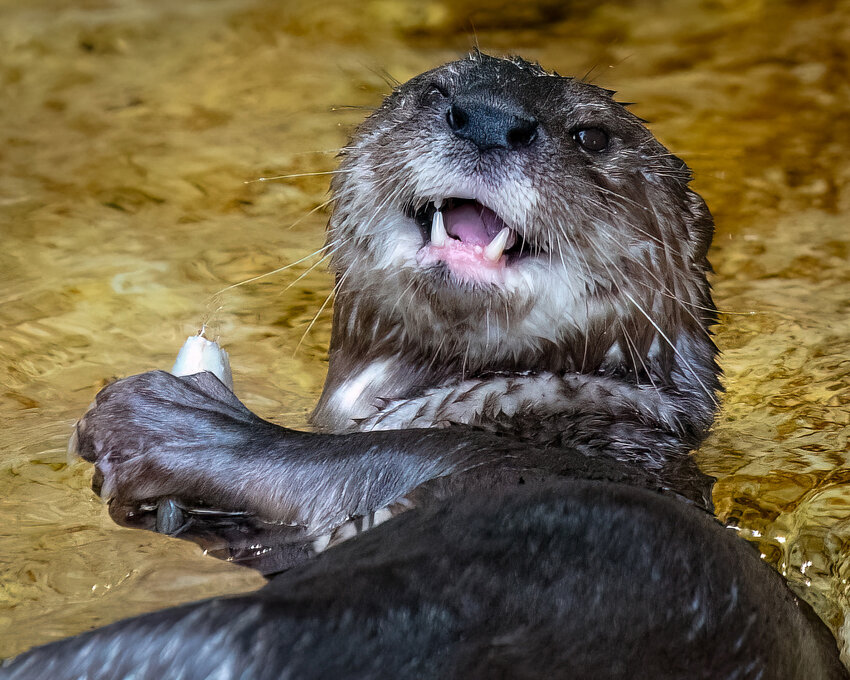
x,y
434,92
592,139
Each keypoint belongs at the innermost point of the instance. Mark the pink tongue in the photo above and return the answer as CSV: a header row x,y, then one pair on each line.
x,y
473,223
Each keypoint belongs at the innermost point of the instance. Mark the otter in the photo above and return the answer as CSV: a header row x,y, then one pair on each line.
x,y
521,363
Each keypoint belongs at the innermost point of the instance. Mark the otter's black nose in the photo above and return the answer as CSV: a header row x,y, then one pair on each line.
x,y
491,126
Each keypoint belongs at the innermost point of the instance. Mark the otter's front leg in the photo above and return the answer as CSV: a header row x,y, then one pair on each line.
x,y
189,440
156,436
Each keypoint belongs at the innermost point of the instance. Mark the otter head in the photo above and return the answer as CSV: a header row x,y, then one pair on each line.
x,y
491,216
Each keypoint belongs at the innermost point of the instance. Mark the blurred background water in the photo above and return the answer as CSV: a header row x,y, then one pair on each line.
x,y
130,127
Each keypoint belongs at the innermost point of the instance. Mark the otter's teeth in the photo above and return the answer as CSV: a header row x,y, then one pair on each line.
x,y
497,246
438,230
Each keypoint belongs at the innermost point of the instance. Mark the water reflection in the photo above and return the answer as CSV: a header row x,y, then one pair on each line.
x,y
123,206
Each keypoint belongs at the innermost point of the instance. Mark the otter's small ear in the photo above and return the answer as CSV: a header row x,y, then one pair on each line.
x,y
700,226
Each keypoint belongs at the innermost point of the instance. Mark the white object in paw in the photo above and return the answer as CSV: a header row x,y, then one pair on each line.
x,y
199,354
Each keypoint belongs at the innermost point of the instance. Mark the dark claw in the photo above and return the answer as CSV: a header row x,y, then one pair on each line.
x,y
170,518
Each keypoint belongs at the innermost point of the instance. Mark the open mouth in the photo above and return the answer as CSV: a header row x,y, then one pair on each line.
x,y
469,238
468,222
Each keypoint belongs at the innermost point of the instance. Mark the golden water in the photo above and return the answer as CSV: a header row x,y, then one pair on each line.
x,y
128,131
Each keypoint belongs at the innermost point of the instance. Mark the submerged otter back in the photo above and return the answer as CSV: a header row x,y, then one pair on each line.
x,y
578,580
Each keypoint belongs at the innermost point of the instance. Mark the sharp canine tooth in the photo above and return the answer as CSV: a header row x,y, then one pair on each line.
x,y
438,230
497,246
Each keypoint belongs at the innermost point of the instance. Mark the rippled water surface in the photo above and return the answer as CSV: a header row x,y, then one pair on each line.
x,y
130,128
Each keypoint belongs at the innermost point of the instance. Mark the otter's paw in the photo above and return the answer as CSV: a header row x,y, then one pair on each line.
x,y
154,434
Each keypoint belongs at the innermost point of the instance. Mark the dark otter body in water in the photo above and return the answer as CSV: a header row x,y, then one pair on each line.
x,y
521,351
